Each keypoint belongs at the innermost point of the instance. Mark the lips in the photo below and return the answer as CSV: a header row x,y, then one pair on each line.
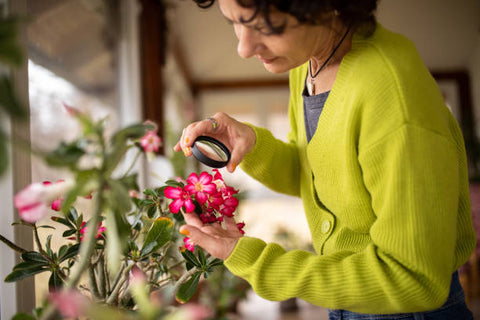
x,y
265,60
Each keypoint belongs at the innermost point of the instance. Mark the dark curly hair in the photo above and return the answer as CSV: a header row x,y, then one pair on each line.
x,y
355,14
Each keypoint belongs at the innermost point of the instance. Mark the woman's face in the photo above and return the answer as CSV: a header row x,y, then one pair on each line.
x,y
278,53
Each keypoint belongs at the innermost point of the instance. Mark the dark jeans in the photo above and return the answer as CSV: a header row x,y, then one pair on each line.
x,y
453,309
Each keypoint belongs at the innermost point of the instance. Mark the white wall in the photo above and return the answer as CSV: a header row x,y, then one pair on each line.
x,y
8,291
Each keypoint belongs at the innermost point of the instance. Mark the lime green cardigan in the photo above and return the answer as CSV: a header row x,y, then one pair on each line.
x,y
384,186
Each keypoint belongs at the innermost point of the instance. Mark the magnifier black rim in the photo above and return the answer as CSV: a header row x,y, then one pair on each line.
x,y
206,160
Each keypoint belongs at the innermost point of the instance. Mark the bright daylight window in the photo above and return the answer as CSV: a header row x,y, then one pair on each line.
x,y
73,60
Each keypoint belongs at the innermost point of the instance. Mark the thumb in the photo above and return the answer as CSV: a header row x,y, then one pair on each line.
x,y
198,236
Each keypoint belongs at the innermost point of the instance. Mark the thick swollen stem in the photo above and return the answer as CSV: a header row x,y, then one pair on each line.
x,y
88,245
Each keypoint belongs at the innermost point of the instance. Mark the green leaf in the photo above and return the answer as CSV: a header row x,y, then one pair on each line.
x,y
174,183
146,202
55,282
119,144
4,157
33,256
65,155
29,265
191,258
25,273
187,290
11,52
147,249
72,215
85,181
161,232
130,182
23,316
118,197
8,98
48,246
70,253
214,262
151,212
63,221
63,250
202,259
68,233
150,192
46,227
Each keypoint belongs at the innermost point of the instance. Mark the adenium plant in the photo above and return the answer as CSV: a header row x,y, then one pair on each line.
x,y
129,248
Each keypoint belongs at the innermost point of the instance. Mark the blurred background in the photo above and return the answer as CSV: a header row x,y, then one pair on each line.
x,y
173,63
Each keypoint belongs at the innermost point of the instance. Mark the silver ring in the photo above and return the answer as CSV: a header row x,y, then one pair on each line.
x,y
214,123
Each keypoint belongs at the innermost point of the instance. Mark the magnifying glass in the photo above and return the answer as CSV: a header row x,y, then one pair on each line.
x,y
210,152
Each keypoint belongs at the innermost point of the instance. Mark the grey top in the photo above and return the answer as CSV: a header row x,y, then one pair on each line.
x,y
312,108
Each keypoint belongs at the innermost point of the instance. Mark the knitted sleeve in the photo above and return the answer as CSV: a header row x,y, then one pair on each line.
x,y
275,161
412,176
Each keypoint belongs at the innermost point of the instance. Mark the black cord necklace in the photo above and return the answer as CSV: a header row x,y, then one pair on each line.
x,y
311,85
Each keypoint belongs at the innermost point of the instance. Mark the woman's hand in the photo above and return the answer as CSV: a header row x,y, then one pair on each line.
x,y
216,240
239,138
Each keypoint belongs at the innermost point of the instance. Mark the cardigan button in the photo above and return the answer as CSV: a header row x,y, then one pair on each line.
x,y
326,226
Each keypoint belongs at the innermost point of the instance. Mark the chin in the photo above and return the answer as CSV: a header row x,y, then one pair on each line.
x,y
272,68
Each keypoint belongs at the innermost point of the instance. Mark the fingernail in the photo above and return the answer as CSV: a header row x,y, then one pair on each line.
x,y
187,139
234,166
183,230
187,151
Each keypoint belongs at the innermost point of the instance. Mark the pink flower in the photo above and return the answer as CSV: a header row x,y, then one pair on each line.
x,y
133,194
151,142
201,186
70,303
240,227
194,311
137,277
84,228
71,111
189,245
180,198
33,201
229,206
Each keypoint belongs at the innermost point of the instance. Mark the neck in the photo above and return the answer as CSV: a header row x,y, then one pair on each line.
x,y
337,34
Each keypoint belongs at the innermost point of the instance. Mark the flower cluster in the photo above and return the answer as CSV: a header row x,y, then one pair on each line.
x,y
207,193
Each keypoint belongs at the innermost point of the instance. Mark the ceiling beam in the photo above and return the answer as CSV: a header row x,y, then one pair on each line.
x,y
239,84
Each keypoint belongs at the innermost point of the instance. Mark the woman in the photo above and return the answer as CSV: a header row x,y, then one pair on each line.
x,y
373,152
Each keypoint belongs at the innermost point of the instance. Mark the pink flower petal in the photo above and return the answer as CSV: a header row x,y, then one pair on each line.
x,y
173,192
189,206
34,212
175,206
205,178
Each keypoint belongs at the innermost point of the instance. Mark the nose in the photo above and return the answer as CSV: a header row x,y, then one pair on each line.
x,y
248,42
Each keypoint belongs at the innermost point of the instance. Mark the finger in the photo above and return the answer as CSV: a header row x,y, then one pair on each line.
x,y
193,219
231,224
199,128
208,242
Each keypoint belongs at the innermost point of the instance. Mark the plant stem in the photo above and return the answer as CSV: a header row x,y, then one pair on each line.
x,y
12,245
102,277
184,278
116,289
88,246
132,164
93,282
119,275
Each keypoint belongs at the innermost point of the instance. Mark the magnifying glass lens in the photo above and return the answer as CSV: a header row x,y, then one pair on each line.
x,y
210,152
